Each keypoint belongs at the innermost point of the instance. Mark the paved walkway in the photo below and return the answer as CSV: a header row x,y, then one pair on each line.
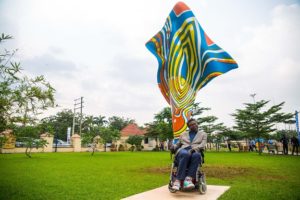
x,y
213,193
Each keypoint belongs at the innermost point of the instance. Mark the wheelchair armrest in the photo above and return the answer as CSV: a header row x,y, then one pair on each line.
x,y
202,155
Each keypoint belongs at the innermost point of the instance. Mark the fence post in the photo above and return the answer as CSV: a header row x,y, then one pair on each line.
x,y
49,138
76,141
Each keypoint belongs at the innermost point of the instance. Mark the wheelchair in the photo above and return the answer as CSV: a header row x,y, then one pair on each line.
x,y
199,181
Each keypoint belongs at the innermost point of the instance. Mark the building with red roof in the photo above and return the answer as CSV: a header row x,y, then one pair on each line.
x,y
131,130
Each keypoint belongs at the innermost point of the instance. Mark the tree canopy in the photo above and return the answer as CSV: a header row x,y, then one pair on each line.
x,y
256,120
119,123
136,141
21,98
161,127
58,124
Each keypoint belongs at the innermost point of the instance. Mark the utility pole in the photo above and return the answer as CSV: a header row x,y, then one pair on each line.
x,y
80,125
78,104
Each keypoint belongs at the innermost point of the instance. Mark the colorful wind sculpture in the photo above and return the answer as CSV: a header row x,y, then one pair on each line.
x,y
187,60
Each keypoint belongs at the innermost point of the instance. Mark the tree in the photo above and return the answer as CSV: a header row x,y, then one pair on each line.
x,y
119,123
30,136
27,131
96,140
288,133
161,127
152,130
197,110
135,141
163,121
31,143
108,134
21,98
89,139
100,120
91,124
58,124
88,124
257,121
98,130
231,134
91,131
208,124
165,115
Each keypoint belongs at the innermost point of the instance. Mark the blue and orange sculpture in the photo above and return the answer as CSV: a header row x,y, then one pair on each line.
x,y
187,60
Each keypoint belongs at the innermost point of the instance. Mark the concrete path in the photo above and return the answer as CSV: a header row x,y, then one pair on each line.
x,y
213,193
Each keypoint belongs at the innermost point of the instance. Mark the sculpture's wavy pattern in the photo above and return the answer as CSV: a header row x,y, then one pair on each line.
x,y
187,60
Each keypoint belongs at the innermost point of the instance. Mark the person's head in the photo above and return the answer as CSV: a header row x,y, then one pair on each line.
x,y
193,125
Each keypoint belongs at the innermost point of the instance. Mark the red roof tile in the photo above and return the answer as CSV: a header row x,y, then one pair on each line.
x,y
132,129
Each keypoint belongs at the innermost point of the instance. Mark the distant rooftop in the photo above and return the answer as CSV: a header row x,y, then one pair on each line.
x,y
132,129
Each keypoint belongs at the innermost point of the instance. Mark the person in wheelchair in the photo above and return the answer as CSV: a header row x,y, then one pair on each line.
x,y
188,155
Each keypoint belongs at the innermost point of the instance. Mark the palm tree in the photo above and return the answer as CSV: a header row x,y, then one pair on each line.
x,y
100,120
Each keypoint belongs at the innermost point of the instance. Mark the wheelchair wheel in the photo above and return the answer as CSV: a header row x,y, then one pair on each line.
x,y
202,184
171,189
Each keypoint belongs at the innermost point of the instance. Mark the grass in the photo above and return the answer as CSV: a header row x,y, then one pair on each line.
x,y
115,175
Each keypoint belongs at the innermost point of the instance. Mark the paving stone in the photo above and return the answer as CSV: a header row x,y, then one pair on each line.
x,y
213,192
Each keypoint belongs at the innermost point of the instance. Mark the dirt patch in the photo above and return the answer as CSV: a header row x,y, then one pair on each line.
x,y
227,172
210,171
157,170
223,172
230,172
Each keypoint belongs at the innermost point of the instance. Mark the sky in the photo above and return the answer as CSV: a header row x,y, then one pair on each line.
x,y
96,49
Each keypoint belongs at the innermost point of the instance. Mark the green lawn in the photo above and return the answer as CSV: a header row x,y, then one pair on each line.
x,y
114,175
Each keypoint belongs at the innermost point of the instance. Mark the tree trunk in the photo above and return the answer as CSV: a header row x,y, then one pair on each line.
x,y
28,153
93,151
